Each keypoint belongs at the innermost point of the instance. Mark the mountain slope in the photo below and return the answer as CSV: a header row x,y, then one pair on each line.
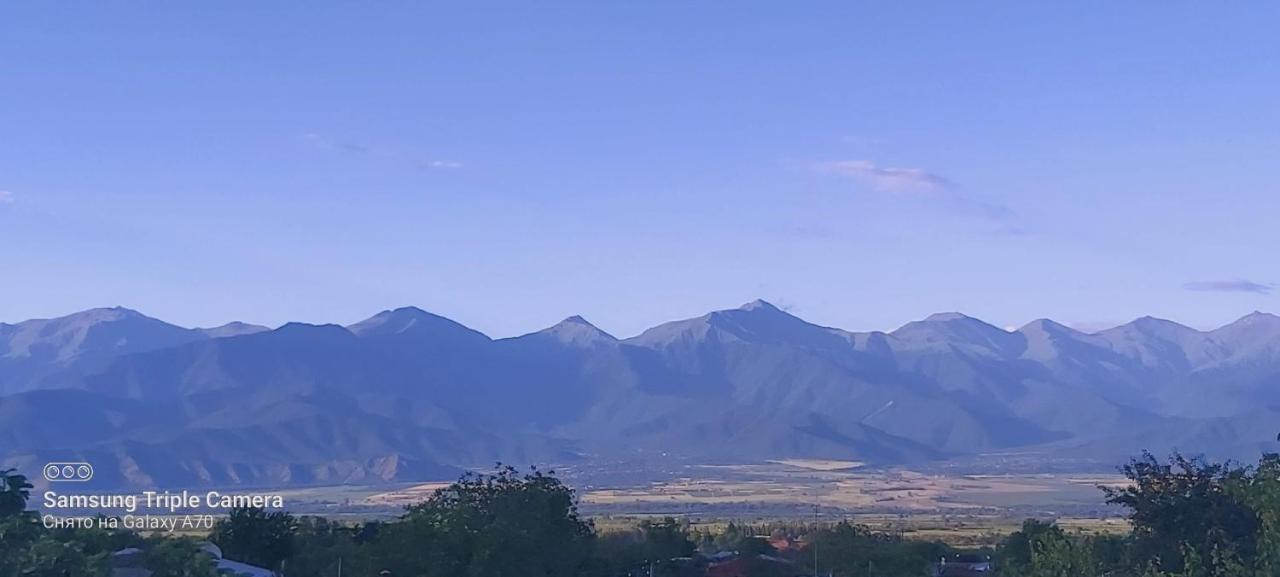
x,y
407,394
45,352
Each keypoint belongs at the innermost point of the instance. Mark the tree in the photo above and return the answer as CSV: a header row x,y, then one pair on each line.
x,y
1017,552
254,536
51,557
752,545
17,531
496,525
666,539
322,546
1261,492
729,539
14,492
1188,508
854,550
170,557
1060,556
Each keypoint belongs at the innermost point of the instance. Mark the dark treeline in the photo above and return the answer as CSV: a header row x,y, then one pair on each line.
x,y
1190,518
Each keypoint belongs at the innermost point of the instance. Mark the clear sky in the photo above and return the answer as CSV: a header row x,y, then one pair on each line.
x,y
510,164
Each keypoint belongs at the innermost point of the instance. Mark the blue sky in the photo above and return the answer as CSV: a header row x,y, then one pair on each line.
x,y
507,165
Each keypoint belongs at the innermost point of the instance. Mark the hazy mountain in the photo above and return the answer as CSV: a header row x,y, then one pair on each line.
x,y
232,329
418,326
775,365
407,394
41,352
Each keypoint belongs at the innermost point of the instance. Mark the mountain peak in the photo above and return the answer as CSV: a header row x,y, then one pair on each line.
x,y
413,320
103,314
1258,317
1153,321
407,312
577,330
942,330
402,316
93,335
757,321
232,329
948,317
759,305
89,318
1256,325
1048,326
1156,326
298,326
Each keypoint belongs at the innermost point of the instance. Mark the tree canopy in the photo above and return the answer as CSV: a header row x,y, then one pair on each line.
x,y
1190,518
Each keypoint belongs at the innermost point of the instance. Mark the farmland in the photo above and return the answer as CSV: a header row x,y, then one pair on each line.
x,y
956,507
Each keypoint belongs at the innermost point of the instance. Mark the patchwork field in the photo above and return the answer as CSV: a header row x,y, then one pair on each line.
x,y
959,508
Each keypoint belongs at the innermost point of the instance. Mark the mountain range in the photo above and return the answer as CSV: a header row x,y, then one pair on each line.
x,y
409,395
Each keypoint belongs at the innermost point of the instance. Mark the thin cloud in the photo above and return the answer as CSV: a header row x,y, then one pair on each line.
x,y
6,197
886,178
1230,286
920,182
442,164
323,142
985,210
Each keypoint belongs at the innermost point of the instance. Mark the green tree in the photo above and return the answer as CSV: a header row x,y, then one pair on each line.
x,y
173,557
495,525
27,549
754,545
1261,492
1188,508
729,539
852,550
51,557
14,492
322,546
1017,552
1061,556
257,537
666,539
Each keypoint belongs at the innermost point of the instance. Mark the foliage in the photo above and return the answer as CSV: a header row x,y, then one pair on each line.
x,y
255,536
506,523
1191,518
169,557
753,546
14,492
1188,507
661,545
48,556
322,547
846,549
1042,549
666,539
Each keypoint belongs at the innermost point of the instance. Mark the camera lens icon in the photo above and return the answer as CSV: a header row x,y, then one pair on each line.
x,y
68,472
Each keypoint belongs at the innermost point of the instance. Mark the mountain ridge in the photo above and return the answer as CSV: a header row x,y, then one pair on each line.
x,y
407,393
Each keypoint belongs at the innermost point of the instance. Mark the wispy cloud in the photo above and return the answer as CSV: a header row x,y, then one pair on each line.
x,y
443,164
919,182
326,143
1230,286
6,197
323,142
887,178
